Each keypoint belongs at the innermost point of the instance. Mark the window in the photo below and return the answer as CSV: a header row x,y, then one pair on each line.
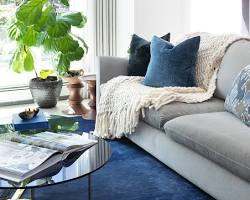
x,y
9,79
13,86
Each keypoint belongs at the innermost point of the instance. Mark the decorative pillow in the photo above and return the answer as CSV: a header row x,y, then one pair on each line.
x,y
238,99
172,65
139,55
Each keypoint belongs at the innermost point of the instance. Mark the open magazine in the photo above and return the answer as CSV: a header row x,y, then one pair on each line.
x,y
25,156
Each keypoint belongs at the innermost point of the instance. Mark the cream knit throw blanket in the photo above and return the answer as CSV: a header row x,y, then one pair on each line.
x,y
123,98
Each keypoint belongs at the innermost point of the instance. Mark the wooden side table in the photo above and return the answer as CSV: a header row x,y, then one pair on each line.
x,y
90,112
75,105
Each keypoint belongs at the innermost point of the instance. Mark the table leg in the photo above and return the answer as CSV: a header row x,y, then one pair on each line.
x,y
32,194
18,194
91,108
89,187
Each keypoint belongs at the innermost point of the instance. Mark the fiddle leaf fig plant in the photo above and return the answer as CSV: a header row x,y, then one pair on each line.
x,y
37,24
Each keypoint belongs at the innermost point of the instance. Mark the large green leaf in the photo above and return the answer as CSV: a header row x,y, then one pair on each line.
x,y
69,51
67,44
30,11
63,64
16,31
17,63
59,29
48,18
65,2
31,37
28,61
85,46
41,37
22,60
50,44
76,55
74,19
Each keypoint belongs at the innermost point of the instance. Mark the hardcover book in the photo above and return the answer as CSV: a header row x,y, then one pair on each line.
x,y
38,122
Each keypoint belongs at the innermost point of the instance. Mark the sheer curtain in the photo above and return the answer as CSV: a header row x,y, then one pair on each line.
x,y
106,27
245,17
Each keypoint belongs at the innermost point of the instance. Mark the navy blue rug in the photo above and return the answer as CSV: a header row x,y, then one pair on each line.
x,y
131,174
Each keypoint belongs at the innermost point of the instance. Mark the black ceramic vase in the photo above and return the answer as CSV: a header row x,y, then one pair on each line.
x,y
46,92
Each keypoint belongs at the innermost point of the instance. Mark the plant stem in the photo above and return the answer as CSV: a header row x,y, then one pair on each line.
x,y
35,72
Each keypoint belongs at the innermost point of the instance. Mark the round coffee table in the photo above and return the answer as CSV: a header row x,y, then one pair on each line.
x,y
74,167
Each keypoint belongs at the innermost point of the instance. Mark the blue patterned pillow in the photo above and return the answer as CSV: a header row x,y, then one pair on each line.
x,y
238,99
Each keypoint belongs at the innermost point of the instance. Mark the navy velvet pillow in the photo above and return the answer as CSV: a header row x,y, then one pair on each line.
x,y
140,55
172,65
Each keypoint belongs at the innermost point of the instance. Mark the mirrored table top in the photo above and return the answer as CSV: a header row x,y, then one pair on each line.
x,y
76,165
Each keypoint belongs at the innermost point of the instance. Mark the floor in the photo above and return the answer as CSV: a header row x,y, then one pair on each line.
x,y
131,174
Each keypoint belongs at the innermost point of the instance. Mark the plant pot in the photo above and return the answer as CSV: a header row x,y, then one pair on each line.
x,y
46,92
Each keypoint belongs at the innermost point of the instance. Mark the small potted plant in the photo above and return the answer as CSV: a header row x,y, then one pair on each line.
x,y
38,24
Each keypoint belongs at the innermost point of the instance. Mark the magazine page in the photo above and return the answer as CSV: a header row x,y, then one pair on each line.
x,y
66,140
57,141
22,158
40,142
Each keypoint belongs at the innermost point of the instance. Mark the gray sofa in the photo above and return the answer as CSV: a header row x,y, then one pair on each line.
x,y
202,142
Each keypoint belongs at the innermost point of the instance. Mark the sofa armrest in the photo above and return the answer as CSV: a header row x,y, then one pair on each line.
x,y
108,68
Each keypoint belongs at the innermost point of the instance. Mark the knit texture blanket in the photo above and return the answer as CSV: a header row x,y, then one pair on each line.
x,y
124,98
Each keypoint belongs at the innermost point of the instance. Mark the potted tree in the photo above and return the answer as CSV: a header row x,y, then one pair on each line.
x,y
37,23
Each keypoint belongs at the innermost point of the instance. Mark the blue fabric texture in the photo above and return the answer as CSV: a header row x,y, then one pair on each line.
x,y
172,66
238,99
131,174
139,55
129,167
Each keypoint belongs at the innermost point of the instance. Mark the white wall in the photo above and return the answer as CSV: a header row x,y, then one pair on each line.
x,y
158,17
150,17
226,16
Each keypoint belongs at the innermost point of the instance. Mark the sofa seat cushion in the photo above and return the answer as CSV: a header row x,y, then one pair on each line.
x,y
157,118
220,137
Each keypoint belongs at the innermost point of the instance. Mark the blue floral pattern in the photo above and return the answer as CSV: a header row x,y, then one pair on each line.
x,y
238,99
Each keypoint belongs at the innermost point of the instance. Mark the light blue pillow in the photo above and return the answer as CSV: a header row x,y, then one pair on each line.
x,y
238,99
172,65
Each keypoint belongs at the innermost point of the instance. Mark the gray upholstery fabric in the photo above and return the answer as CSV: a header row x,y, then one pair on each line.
x,y
157,118
204,173
220,136
108,68
235,59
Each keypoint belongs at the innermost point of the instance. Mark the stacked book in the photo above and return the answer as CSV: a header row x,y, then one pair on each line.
x,y
38,122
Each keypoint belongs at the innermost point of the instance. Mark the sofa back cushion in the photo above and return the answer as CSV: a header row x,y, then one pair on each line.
x,y
236,58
